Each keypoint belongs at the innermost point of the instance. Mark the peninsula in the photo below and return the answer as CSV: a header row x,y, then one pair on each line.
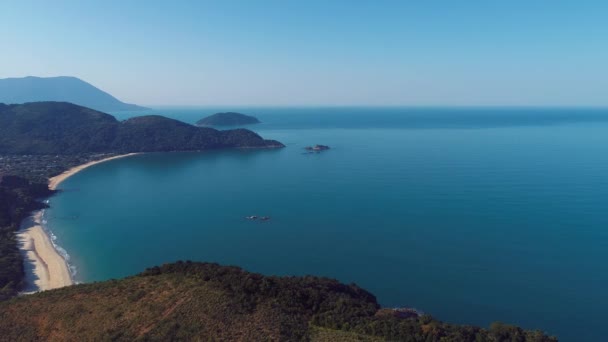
x,y
64,128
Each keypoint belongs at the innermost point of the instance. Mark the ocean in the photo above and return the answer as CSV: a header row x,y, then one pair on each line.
x,y
472,215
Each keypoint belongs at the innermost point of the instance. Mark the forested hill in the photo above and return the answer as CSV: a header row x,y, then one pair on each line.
x,y
207,302
65,128
63,88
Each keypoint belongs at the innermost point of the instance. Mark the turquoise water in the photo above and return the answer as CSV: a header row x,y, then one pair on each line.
x,y
471,215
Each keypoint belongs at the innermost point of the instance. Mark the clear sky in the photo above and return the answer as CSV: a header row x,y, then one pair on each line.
x,y
490,52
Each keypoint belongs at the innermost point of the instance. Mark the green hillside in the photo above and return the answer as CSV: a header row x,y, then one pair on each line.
x,y
206,302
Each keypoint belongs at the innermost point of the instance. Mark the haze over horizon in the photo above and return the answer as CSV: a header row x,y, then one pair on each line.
x,y
287,53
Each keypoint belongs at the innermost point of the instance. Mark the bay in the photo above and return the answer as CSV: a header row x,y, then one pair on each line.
x,y
473,215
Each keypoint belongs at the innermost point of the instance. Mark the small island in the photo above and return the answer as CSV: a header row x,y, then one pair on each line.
x,y
227,119
316,148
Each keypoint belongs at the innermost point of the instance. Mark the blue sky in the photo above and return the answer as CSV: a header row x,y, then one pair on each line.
x,y
436,53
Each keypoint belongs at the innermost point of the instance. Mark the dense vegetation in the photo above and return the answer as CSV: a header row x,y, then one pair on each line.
x,y
64,89
18,197
201,301
65,128
227,119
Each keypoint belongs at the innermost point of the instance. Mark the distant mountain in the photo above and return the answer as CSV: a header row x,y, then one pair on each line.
x,y
62,89
188,301
65,128
227,119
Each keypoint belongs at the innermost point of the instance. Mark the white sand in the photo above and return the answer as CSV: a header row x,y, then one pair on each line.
x,y
55,181
45,267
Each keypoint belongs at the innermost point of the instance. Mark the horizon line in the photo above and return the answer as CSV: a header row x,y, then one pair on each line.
x,y
423,106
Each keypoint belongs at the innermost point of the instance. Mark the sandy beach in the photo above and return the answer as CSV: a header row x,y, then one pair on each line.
x,y
45,268
55,181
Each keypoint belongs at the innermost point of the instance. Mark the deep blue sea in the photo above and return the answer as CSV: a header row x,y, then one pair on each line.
x,y
473,215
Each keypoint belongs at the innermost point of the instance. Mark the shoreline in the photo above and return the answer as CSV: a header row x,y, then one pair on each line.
x,y
45,267
56,180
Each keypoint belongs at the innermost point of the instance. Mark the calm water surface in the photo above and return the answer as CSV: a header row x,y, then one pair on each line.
x,y
472,215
